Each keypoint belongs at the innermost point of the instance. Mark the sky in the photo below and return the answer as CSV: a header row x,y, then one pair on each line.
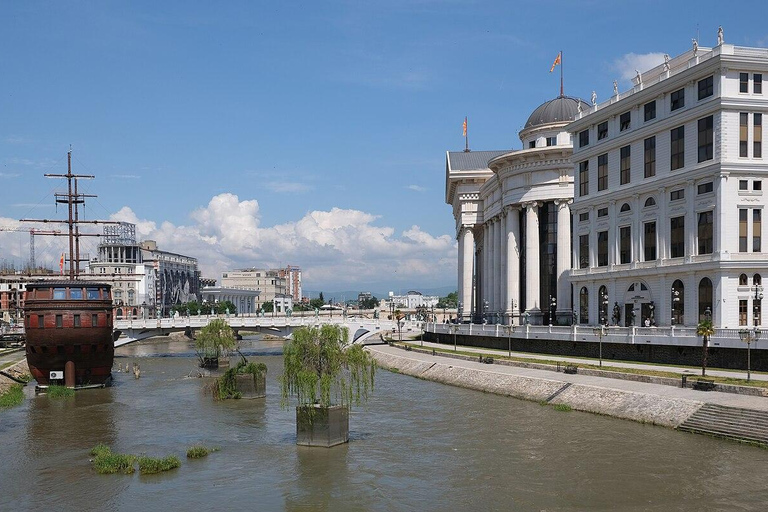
x,y
262,134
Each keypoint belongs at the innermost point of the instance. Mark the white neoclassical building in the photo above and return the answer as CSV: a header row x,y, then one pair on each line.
x,y
668,195
513,222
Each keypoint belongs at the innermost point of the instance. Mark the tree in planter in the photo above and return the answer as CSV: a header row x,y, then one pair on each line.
x,y
705,329
214,339
327,375
246,380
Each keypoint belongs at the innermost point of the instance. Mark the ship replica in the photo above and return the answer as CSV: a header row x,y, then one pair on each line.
x,y
68,322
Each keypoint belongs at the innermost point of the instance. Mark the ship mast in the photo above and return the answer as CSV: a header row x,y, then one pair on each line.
x,y
72,199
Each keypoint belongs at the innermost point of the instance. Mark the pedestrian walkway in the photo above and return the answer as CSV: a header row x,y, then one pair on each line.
x,y
607,363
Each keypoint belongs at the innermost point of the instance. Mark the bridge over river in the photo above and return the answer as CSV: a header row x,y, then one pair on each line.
x,y
362,330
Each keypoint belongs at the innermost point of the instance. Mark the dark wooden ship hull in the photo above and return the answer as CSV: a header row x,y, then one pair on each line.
x,y
69,329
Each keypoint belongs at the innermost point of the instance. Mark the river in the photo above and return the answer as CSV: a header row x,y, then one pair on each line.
x,y
416,445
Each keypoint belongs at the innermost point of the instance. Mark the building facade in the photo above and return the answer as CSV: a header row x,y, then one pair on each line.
x,y
269,283
668,195
513,222
292,276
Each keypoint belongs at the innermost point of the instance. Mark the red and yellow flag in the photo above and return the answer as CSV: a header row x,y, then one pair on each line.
x,y
558,60
465,127
61,264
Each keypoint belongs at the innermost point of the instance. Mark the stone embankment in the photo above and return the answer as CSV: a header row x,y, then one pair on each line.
x,y
642,407
19,370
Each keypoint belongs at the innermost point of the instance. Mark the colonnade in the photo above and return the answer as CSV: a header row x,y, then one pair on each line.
x,y
489,265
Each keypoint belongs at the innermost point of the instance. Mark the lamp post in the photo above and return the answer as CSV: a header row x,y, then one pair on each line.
x,y
485,311
755,307
510,329
460,312
455,330
600,332
675,302
552,308
748,336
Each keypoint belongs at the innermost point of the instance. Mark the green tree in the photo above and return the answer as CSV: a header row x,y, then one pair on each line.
x,y
268,306
370,303
705,329
215,338
449,301
322,367
223,307
321,298
193,307
181,309
316,304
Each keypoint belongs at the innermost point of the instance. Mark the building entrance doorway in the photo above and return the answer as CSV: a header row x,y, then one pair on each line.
x,y
639,309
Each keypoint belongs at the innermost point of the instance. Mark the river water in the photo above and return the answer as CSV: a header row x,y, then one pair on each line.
x,y
417,445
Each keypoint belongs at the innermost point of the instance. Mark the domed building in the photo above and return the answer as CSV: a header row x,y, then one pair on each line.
x,y
513,222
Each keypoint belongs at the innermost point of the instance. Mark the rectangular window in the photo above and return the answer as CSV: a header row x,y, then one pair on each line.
x,y
602,172
76,320
602,212
602,130
706,88
757,228
584,216
624,175
583,138
59,293
94,320
650,157
624,121
742,312
602,249
649,110
706,141
743,129
705,232
584,251
677,150
649,242
532,144
625,244
40,321
584,178
757,86
757,185
677,237
76,293
743,185
705,188
551,141
677,100
59,321
677,194
743,82
92,293
757,135
743,212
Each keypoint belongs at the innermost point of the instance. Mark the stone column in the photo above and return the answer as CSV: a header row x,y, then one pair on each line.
x,y
532,263
460,276
490,281
503,269
563,313
662,227
469,248
692,223
496,268
512,305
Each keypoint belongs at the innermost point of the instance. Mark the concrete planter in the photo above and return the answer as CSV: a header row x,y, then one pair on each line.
x,y
210,363
322,426
251,386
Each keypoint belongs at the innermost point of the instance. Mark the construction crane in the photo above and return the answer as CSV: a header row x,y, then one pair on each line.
x,y
32,232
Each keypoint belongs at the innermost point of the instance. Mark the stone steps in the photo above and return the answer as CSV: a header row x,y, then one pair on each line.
x,y
729,422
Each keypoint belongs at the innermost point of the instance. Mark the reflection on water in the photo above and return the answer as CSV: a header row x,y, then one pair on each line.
x,y
417,445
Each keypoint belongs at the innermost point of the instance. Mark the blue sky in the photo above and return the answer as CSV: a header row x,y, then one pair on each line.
x,y
311,133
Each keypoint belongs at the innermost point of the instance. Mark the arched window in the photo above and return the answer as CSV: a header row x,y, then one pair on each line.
x,y
743,280
705,298
757,280
135,313
119,312
625,207
678,302
584,306
603,305
650,202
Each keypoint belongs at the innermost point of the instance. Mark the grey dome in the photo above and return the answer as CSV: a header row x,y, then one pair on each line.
x,y
559,110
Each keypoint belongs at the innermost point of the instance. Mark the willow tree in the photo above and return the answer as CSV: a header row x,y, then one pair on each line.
x,y
214,339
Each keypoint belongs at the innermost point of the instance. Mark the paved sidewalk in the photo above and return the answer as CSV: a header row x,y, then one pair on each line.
x,y
660,390
607,363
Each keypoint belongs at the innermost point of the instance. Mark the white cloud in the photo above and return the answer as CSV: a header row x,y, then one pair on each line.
x,y
627,64
416,188
334,248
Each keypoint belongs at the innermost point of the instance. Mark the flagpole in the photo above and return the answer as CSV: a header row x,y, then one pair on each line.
x,y
561,73
466,135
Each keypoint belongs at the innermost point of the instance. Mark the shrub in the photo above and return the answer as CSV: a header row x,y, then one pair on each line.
x,y
13,396
151,465
199,451
56,391
107,463
226,386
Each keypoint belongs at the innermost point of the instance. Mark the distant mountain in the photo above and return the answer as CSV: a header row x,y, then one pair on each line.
x,y
440,291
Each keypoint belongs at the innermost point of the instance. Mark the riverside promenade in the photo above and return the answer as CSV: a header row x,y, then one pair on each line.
x,y
645,402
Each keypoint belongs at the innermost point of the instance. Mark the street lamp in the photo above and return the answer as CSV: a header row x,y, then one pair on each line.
x,y
748,336
756,306
455,330
600,332
552,306
460,312
510,329
485,311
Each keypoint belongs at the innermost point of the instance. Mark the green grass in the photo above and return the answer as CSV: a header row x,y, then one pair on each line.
x,y
12,396
606,367
562,407
199,451
59,392
152,465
